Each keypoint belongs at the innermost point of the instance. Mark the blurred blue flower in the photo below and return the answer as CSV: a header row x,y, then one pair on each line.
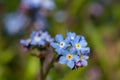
x,y
48,4
15,22
32,3
69,59
40,38
60,16
60,43
25,42
37,38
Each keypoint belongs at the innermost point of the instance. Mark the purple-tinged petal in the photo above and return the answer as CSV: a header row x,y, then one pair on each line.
x,y
84,62
86,57
85,50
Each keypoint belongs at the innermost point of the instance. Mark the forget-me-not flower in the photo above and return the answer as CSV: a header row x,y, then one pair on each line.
x,y
79,44
69,58
60,43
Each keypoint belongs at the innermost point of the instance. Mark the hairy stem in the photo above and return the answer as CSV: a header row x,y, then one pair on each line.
x,y
41,70
50,66
46,64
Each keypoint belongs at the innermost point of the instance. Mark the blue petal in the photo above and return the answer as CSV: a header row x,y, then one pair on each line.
x,y
33,43
66,45
77,38
71,35
24,42
67,40
82,38
84,62
86,57
65,52
59,38
62,60
68,33
78,52
72,50
76,58
85,50
59,51
33,34
83,43
70,64
54,45
41,43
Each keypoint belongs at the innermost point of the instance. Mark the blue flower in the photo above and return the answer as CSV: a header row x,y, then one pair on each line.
x,y
79,44
60,43
69,59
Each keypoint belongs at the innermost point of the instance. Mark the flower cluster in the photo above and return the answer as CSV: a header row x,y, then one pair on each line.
x,y
72,50
37,38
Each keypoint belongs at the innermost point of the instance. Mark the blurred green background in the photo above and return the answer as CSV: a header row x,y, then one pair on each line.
x,y
100,26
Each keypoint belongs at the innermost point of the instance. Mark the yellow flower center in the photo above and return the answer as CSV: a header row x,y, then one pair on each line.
x,y
78,46
62,44
81,57
69,57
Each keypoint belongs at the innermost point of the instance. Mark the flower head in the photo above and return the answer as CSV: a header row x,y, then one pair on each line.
x,y
73,50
